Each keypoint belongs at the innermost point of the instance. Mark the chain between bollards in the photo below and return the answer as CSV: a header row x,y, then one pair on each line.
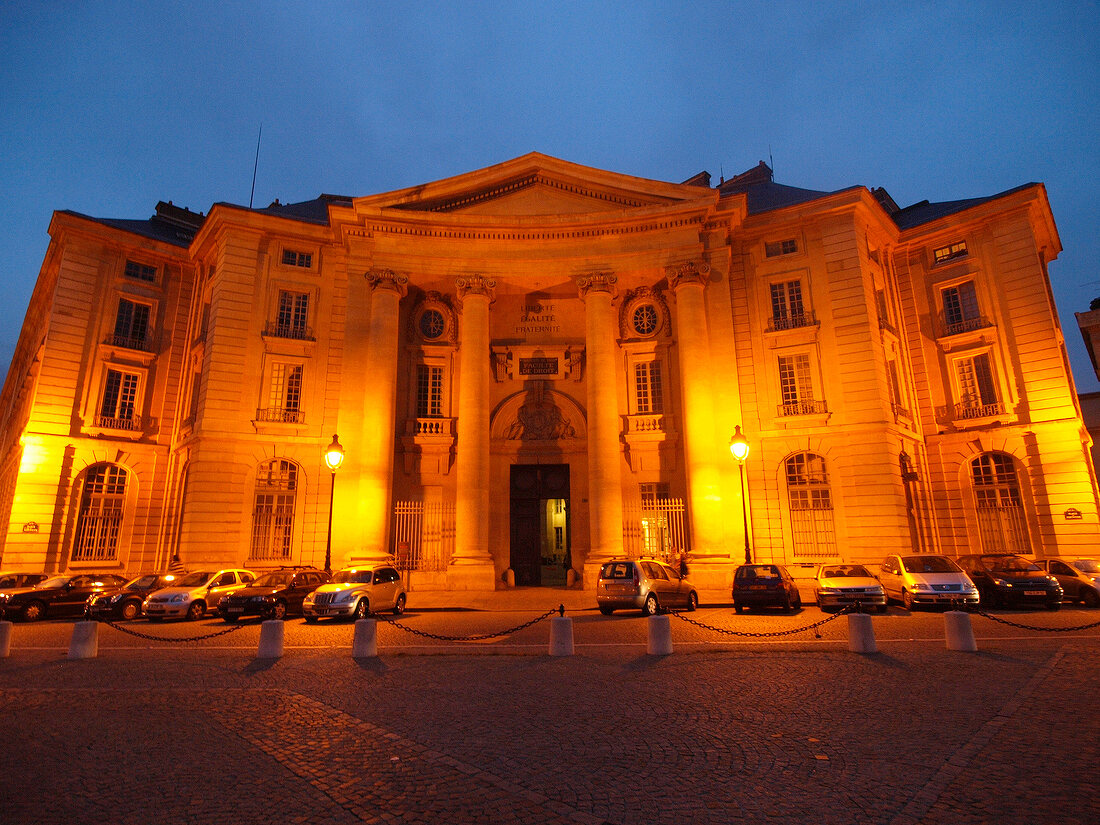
x,y
152,638
990,616
560,609
853,608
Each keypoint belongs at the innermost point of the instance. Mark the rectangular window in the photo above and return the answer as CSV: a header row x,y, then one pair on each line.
x,y
773,249
141,272
292,257
292,315
131,325
794,378
285,393
947,253
429,391
652,491
647,388
976,385
116,408
960,308
788,311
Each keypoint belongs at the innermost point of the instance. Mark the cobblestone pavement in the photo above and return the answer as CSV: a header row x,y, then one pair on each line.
x,y
715,733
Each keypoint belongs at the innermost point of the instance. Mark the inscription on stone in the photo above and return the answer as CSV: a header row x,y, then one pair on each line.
x,y
538,366
537,318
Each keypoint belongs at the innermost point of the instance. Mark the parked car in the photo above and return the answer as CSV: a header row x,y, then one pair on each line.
x,y
1080,578
195,593
765,585
355,592
643,584
57,596
840,585
926,580
125,602
10,580
1005,579
273,595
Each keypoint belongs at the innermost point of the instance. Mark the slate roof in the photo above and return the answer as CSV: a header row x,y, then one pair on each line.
x,y
314,211
925,212
170,224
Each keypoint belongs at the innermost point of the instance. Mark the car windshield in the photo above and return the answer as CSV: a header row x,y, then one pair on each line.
x,y
54,582
146,582
275,578
352,577
845,570
1008,564
617,570
1087,565
929,564
759,571
196,579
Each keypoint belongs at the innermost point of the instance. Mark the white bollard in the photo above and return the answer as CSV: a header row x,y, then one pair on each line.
x,y
271,639
861,635
364,643
5,639
561,636
85,641
959,631
660,636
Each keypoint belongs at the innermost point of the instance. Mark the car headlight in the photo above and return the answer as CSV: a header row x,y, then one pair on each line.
x,y
115,598
1002,583
344,596
1052,580
1095,580
830,591
920,587
969,589
182,597
308,599
259,599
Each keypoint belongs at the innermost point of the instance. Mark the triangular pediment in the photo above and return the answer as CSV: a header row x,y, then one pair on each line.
x,y
536,184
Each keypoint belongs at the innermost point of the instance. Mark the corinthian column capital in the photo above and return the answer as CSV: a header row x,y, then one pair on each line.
x,y
596,282
476,285
688,273
389,280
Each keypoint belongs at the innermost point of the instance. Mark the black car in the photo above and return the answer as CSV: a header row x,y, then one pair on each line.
x,y
1008,580
125,602
9,581
58,596
765,585
273,595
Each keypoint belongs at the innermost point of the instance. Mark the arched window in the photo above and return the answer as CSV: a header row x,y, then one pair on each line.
x,y
99,521
1001,522
273,510
811,506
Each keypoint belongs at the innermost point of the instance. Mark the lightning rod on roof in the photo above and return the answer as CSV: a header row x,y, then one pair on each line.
x,y
255,166
771,162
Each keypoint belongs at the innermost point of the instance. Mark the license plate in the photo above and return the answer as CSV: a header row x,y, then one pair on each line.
x,y
758,587
1035,592
234,610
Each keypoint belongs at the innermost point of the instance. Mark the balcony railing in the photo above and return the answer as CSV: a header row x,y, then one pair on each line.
x,y
803,408
970,409
646,423
965,325
433,426
108,422
901,412
804,319
295,332
125,341
280,415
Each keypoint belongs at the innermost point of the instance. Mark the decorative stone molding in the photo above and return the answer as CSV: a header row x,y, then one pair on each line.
x,y
643,314
389,280
538,413
688,273
476,285
432,320
597,282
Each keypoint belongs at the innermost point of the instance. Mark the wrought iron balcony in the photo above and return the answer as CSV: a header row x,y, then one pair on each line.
x,y
970,409
965,325
126,342
780,323
280,415
803,408
295,332
129,424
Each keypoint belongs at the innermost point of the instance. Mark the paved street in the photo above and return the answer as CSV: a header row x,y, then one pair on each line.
x,y
726,729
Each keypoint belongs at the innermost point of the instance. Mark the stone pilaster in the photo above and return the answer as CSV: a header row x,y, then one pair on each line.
x,y
471,564
605,489
387,288
701,450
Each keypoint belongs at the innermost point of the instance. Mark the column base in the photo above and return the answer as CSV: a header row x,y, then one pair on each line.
x,y
472,576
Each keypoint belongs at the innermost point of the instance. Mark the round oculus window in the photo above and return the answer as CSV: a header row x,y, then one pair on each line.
x,y
432,324
645,319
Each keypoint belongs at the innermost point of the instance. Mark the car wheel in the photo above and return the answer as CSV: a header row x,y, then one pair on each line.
x,y
693,600
797,600
907,600
607,611
196,611
399,607
311,620
129,610
738,608
227,619
651,607
788,605
362,609
278,610
1090,598
33,611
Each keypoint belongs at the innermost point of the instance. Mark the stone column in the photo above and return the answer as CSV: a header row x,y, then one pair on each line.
x,y
471,564
605,487
377,436
701,450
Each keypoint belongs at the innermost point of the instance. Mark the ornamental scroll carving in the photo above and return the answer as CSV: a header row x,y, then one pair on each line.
x,y
596,282
476,285
688,273
389,280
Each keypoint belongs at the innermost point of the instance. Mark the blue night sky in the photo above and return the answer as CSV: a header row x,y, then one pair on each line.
x,y
108,107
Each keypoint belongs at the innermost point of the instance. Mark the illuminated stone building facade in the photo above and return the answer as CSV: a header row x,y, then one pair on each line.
x,y
538,366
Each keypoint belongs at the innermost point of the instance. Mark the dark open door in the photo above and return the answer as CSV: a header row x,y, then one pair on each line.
x,y
539,550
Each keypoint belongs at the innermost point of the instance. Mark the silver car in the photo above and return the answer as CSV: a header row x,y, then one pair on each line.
x,y
356,592
1080,578
644,584
194,594
840,585
926,580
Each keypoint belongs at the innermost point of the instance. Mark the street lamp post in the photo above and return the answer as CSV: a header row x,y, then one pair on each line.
x,y
739,446
334,457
